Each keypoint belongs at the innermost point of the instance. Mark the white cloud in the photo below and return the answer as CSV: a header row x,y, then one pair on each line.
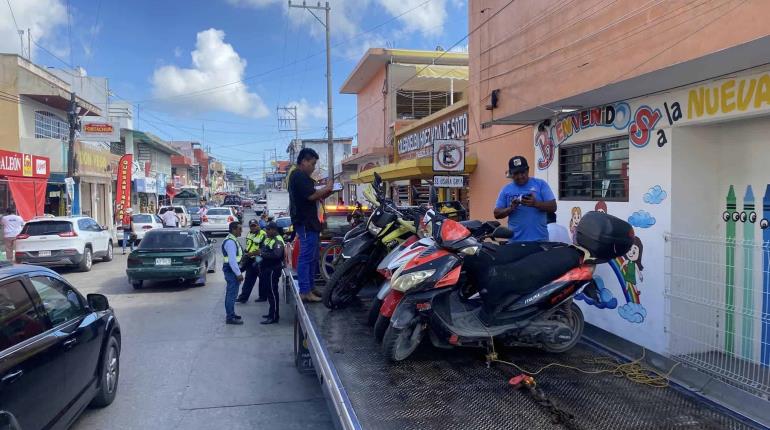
x,y
215,63
305,111
43,17
178,52
428,19
356,48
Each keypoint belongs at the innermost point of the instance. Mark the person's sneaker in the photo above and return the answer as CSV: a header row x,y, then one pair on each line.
x,y
260,300
270,321
238,317
234,321
241,301
310,298
318,292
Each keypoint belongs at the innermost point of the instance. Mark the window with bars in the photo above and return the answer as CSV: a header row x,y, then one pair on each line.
x,y
50,126
594,170
419,104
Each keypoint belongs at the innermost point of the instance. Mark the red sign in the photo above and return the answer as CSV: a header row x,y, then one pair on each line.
x,y
123,192
98,128
147,169
23,165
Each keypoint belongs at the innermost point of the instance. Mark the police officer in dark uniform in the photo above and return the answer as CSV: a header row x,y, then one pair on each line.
x,y
272,252
253,241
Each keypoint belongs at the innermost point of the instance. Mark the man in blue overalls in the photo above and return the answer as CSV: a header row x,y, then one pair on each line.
x,y
233,254
270,269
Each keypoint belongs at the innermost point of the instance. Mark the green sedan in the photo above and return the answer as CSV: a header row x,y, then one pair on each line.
x,y
167,254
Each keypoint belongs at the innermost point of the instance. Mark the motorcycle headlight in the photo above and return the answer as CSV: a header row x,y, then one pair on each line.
x,y
471,250
373,229
410,280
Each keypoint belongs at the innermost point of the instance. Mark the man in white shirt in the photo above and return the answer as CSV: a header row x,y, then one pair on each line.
x,y
12,225
556,232
169,217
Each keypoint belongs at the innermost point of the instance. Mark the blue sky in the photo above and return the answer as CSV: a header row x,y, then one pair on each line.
x,y
146,50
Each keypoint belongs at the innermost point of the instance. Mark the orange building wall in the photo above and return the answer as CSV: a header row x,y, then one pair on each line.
x,y
371,114
539,51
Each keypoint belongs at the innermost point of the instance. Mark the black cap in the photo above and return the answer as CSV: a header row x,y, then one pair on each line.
x,y
270,225
518,164
253,222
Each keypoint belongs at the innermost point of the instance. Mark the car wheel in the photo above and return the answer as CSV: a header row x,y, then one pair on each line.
x,y
87,261
137,284
109,374
109,255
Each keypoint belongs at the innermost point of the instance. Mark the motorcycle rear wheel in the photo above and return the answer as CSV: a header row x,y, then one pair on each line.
x,y
399,343
346,282
573,317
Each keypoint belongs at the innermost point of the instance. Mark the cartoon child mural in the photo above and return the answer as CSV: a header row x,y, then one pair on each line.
x,y
601,206
574,220
630,268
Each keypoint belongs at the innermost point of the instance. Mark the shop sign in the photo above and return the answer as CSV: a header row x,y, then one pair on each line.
x,y
161,184
70,183
448,181
146,185
452,128
99,131
92,160
448,155
24,165
123,192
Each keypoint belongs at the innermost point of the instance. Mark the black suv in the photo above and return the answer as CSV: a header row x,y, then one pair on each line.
x,y
59,352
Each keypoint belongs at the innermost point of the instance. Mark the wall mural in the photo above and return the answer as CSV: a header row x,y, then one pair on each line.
x,y
655,195
641,219
747,218
575,216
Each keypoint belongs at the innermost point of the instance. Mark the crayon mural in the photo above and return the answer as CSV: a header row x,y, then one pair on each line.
x,y
746,307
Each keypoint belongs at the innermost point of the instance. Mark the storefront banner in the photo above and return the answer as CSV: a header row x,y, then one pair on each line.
x,y
23,165
448,181
452,128
146,185
99,131
28,196
448,155
92,160
161,184
123,191
70,183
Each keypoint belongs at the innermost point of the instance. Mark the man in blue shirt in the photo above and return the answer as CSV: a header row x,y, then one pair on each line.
x,y
233,255
525,202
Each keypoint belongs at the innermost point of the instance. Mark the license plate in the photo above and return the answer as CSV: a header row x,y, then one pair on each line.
x,y
44,253
162,261
218,221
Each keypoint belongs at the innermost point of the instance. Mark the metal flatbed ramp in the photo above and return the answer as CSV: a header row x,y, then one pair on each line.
x,y
454,389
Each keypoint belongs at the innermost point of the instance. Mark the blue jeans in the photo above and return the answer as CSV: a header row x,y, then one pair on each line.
x,y
307,263
127,238
231,291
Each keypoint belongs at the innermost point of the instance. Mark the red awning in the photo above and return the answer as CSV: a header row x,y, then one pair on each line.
x,y
29,196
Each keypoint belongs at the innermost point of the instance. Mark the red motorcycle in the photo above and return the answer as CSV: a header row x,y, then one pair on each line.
x,y
525,290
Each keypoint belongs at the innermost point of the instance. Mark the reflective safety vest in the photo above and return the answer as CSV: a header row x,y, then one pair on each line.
x,y
239,255
270,243
254,240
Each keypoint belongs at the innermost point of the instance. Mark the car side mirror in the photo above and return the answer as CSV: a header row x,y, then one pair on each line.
x,y
98,302
212,241
104,227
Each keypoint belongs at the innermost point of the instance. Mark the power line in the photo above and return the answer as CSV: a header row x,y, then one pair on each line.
x,y
69,27
94,29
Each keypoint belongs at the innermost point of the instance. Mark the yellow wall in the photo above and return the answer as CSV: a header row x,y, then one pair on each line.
x,y
9,111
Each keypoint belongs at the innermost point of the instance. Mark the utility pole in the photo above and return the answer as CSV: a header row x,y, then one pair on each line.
x,y
329,122
287,121
74,123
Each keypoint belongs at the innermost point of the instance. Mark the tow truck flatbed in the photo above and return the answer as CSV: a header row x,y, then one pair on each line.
x,y
455,389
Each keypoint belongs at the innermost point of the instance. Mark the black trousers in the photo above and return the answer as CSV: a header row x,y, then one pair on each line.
x,y
269,277
252,273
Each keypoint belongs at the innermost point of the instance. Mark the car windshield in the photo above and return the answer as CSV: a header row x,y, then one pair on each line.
x,y
43,228
165,240
283,222
261,202
178,210
142,219
220,211
193,210
232,200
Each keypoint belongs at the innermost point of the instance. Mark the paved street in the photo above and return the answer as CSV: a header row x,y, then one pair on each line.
x,y
182,367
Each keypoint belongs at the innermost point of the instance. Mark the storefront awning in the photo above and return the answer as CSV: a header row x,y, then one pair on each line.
x,y
418,168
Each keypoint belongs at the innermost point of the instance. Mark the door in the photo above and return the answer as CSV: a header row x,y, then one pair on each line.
x,y
81,329
31,360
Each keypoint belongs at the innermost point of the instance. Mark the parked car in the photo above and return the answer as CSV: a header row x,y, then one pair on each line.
x,y
59,352
260,206
143,222
247,203
195,217
172,254
181,212
63,241
217,220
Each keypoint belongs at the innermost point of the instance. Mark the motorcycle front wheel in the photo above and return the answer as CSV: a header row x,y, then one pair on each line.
x,y
330,259
399,343
374,311
346,281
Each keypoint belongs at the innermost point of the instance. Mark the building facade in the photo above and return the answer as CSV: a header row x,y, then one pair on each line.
x,y
658,119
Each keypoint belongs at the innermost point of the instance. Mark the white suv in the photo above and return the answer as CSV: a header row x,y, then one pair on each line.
x,y
63,241
181,213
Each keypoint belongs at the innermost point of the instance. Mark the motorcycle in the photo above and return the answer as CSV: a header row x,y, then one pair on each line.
x,y
525,291
400,256
365,246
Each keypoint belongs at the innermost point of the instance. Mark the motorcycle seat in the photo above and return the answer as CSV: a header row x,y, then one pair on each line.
x,y
503,283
